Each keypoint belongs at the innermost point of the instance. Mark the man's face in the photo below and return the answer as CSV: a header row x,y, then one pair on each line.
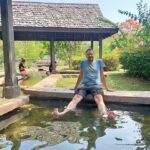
x,y
90,55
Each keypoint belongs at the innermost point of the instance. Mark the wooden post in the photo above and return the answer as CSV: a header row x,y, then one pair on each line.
x,y
11,88
92,44
100,48
52,52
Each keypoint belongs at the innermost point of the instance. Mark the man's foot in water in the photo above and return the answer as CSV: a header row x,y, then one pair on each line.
x,y
56,112
110,115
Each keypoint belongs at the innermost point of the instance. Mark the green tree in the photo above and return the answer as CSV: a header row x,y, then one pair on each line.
x,y
127,37
137,62
29,50
65,50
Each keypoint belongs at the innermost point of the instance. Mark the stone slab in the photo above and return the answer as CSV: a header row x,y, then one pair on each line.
x,y
7,105
12,119
130,97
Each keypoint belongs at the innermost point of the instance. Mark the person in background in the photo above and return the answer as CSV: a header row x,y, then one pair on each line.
x,y
50,68
22,69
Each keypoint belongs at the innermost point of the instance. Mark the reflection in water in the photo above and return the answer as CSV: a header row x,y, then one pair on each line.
x,y
93,127
75,131
144,119
31,144
4,123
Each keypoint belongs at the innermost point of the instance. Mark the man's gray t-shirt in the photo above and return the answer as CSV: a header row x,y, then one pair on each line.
x,y
91,72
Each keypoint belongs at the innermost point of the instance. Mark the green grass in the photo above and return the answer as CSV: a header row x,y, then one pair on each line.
x,y
66,82
120,81
115,80
1,91
35,77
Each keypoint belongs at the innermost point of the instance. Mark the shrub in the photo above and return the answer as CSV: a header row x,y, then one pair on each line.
x,y
111,63
136,63
76,64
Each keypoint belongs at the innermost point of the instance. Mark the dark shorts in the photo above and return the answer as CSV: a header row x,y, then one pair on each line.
x,y
85,90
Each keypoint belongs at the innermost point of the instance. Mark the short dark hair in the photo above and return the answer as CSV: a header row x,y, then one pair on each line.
x,y
89,49
23,60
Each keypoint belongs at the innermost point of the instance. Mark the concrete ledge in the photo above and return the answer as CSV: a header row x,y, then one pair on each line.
x,y
12,119
11,104
130,97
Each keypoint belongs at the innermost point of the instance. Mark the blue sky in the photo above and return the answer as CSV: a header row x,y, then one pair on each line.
x,y
109,7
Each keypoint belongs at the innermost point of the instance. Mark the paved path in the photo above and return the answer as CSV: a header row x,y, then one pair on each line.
x,y
48,82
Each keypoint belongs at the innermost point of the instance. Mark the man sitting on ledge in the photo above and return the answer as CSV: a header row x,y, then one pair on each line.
x,y
89,81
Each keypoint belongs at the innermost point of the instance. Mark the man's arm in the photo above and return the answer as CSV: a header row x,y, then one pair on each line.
x,y
79,79
103,80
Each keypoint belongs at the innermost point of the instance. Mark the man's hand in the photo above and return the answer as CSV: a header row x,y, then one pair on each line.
x,y
109,90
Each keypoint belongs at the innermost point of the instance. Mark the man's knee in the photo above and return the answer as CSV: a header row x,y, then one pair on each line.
x,y
77,98
98,98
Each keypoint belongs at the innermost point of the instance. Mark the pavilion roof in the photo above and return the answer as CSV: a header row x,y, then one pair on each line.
x,y
59,21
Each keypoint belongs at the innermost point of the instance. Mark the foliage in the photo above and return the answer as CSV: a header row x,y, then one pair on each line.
x,y
29,50
137,63
143,18
106,47
46,46
107,53
111,59
137,59
143,13
127,38
66,50
134,32
111,63
145,130
76,64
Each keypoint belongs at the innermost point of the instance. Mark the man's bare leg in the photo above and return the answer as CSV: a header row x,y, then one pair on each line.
x,y
102,108
100,104
71,106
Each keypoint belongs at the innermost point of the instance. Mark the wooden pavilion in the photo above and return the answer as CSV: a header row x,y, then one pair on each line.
x,y
36,21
